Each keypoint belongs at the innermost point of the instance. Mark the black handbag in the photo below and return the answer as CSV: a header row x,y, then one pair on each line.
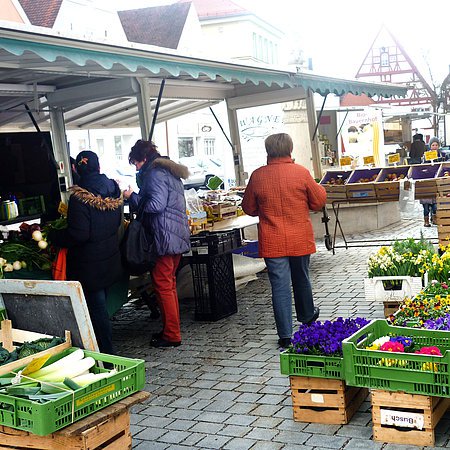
x,y
138,246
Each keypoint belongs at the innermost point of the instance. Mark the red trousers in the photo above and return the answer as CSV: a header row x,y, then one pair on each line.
x,y
165,284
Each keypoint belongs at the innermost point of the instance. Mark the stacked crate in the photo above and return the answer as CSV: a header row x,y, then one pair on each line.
x,y
386,190
424,176
360,184
334,183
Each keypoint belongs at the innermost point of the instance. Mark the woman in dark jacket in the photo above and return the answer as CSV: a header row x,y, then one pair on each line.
x,y
91,237
161,190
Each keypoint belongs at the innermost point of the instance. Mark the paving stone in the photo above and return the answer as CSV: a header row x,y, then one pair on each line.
x,y
241,408
324,441
181,424
212,441
239,444
362,444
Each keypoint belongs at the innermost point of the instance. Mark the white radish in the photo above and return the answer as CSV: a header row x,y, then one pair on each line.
x,y
37,235
42,244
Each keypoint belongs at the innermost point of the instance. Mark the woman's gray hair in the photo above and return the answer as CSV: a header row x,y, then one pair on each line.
x,y
278,145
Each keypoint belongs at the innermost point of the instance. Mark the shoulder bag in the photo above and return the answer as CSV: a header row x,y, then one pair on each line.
x,y
138,245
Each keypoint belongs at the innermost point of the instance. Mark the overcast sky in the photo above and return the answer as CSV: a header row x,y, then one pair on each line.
x,y
338,34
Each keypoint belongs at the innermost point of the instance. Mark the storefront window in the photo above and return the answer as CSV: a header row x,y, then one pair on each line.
x,y
185,147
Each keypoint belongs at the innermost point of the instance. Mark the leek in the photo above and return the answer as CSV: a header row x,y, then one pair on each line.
x,y
69,371
84,380
71,359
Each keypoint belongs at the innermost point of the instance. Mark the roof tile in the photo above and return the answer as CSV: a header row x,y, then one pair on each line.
x,y
159,25
41,13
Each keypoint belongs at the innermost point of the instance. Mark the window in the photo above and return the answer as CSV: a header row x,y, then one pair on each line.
x,y
384,58
209,146
185,147
118,147
100,147
81,144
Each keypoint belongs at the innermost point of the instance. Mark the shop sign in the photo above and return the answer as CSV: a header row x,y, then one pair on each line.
x,y
368,160
361,135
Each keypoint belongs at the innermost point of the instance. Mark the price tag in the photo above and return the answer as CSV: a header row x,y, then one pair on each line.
x,y
402,419
368,160
394,158
36,364
345,161
430,155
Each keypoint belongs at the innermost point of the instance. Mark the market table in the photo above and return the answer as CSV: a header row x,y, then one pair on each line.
x,y
107,428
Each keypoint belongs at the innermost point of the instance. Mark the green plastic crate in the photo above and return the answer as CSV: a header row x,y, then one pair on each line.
x,y
45,418
406,371
311,365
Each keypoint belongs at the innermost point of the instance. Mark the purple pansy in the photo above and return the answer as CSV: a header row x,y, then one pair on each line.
x,y
325,338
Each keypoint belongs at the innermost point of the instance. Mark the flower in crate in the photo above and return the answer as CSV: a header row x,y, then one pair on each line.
x,y
325,338
432,350
377,343
392,346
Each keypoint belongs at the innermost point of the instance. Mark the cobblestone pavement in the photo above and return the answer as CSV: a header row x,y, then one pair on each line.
x,y
222,388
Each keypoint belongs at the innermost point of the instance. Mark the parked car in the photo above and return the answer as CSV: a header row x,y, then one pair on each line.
x,y
201,168
445,152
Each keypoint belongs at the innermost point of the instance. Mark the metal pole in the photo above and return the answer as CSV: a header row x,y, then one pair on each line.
x,y
155,114
221,128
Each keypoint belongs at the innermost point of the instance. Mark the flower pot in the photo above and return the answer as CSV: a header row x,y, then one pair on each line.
x,y
385,289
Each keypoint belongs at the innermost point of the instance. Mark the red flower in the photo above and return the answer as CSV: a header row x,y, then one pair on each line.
x,y
429,351
392,347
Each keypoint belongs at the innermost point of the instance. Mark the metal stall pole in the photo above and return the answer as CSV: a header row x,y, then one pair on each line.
x,y
155,114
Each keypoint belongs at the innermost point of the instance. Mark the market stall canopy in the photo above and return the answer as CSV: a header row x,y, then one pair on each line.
x,y
96,84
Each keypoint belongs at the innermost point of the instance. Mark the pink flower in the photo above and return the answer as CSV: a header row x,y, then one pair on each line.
x,y
392,347
445,286
429,351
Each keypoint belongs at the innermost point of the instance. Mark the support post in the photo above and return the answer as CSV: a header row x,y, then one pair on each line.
x,y
61,151
312,121
144,107
237,150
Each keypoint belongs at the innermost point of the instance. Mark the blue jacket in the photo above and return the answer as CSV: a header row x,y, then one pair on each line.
x,y
165,215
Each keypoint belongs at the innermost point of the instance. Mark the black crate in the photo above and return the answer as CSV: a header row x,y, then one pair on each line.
x,y
215,243
214,288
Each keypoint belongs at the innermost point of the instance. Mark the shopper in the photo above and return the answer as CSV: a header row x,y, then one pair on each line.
x,y
418,148
161,190
282,193
429,204
93,257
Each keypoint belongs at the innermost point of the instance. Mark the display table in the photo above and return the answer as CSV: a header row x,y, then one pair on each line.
x,y
108,428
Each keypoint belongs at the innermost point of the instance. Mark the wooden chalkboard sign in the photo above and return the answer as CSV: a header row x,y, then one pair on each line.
x,y
49,307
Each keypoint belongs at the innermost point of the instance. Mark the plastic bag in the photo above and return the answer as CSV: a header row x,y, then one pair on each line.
x,y
193,202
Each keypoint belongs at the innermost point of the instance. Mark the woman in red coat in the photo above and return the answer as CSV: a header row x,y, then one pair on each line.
x,y
281,194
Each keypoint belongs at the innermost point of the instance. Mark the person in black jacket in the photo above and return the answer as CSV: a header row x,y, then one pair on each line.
x,y
92,238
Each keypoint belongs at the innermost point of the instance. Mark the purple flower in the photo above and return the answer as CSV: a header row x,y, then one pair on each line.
x,y
325,338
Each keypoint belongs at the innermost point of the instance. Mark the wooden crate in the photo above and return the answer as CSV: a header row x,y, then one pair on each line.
x,y
335,191
425,189
390,308
224,210
322,400
418,415
9,337
443,185
108,429
360,184
443,220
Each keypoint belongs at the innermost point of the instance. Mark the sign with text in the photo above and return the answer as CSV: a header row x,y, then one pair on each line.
x,y
361,135
402,419
394,158
345,161
430,155
368,160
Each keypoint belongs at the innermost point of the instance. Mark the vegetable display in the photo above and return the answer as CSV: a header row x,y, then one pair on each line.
x,y
51,382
